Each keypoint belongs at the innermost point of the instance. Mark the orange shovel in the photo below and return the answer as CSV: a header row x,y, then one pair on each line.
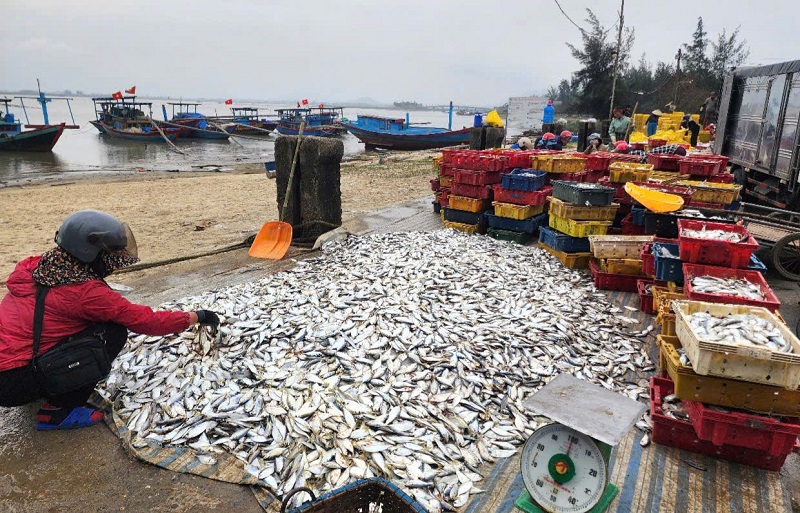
x,y
274,238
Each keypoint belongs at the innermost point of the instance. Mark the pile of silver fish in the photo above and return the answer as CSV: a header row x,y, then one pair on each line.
x,y
684,357
406,356
739,329
665,252
715,235
673,408
729,286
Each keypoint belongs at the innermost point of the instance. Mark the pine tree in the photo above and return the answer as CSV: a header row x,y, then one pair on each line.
x,y
727,53
696,61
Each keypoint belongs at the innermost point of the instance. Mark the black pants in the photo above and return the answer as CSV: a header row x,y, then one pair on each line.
x,y
19,386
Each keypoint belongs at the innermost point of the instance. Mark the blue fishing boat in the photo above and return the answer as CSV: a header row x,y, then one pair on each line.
x,y
397,134
124,118
38,137
195,123
320,121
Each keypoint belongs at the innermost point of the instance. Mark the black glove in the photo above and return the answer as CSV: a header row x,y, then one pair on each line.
x,y
207,317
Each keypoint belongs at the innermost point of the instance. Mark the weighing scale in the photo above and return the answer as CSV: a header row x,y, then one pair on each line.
x,y
564,464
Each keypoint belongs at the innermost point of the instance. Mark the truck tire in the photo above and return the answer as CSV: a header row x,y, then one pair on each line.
x,y
785,256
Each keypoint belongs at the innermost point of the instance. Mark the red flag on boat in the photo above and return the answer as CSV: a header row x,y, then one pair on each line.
x,y
132,90
298,105
229,101
321,105
305,102
117,95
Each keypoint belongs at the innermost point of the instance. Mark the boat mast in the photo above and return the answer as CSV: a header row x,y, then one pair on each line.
x,y
44,101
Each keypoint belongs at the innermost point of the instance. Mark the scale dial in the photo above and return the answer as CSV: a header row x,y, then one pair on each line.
x,y
563,469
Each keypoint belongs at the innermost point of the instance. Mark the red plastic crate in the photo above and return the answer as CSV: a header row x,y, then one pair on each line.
x,y
722,159
683,192
470,177
447,169
522,197
592,176
742,429
698,167
449,155
598,161
645,298
655,143
715,252
700,204
435,185
770,301
721,178
577,176
677,433
625,157
472,191
608,281
443,195
629,228
648,259
663,161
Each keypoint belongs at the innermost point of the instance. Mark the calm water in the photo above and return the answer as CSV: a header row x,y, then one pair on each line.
x,y
86,151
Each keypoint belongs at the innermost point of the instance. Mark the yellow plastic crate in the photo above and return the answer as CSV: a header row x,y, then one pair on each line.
x,y
636,166
445,181
569,260
469,204
708,192
471,229
629,175
581,213
662,296
517,211
437,162
704,136
558,163
578,228
621,266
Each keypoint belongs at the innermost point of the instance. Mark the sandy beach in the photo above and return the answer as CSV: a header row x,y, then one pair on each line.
x,y
182,214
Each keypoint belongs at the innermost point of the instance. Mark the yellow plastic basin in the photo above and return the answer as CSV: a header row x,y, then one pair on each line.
x,y
657,201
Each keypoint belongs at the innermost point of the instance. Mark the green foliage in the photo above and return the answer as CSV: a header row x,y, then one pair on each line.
x,y
727,52
695,59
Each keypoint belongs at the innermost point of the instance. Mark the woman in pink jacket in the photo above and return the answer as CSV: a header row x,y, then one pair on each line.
x,y
90,245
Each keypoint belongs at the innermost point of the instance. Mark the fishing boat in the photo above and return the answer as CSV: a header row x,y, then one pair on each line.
x,y
38,138
320,121
196,125
397,134
245,121
124,118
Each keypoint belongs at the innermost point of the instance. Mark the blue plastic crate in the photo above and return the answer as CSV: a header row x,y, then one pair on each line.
x,y
733,206
562,242
757,265
668,269
523,180
637,214
529,225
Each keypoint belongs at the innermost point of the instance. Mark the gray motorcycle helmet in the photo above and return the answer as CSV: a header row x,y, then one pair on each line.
x,y
87,232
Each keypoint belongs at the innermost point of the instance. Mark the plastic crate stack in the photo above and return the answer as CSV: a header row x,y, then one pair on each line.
x,y
726,398
474,174
617,263
621,173
577,210
519,209
714,195
440,185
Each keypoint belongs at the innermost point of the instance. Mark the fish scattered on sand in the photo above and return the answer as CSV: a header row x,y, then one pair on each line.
x,y
406,356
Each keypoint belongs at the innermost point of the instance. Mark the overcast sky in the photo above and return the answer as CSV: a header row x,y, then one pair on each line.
x,y
473,52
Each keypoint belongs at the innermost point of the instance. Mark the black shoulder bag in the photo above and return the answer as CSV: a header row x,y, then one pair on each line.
x,y
74,363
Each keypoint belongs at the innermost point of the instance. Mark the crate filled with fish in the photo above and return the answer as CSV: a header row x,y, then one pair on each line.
x,y
524,180
584,194
623,172
667,263
731,286
609,281
571,260
644,288
529,225
518,212
663,296
711,192
728,393
511,236
738,342
672,427
666,225
516,197
707,242
562,242
618,246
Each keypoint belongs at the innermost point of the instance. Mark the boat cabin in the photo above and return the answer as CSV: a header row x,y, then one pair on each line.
x,y
8,123
319,116
184,110
124,113
380,123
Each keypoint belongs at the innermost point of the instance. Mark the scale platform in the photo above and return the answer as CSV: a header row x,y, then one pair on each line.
x,y
599,413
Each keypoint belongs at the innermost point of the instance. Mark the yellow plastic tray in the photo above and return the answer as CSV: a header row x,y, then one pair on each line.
x,y
469,204
581,213
578,228
621,266
519,212
569,260
471,229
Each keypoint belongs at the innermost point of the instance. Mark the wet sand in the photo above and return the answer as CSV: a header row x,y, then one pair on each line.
x,y
182,214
